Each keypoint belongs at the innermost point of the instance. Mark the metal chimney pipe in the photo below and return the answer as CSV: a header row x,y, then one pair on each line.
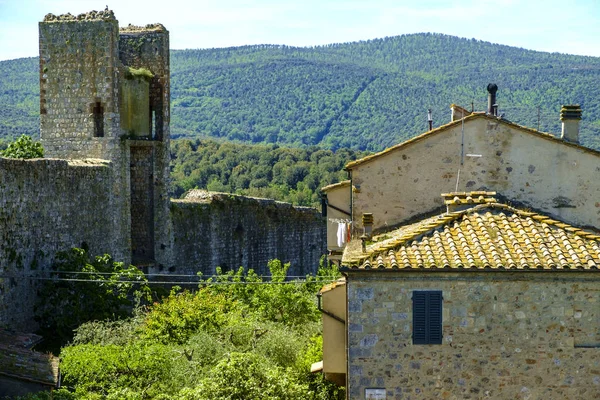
x,y
430,119
492,88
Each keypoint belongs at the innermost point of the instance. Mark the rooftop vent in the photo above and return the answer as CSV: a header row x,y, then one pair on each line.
x,y
492,88
570,116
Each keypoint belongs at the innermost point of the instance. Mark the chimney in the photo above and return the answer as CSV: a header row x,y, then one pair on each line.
x,y
367,220
570,116
430,119
492,88
458,112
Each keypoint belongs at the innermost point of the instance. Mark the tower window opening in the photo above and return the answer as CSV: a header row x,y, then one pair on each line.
x,y
98,112
152,127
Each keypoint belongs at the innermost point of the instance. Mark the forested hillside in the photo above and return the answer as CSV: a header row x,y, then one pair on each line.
x,y
282,173
363,95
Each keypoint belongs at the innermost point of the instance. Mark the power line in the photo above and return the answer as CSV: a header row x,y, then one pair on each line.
x,y
202,283
163,275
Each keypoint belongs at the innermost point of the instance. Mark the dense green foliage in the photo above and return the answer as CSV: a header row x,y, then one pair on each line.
x,y
288,174
362,95
19,97
84,288
23,147
236,337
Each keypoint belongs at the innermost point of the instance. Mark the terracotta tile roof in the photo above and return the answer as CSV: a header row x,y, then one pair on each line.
x,y
488,235
335,185
333,285
475,115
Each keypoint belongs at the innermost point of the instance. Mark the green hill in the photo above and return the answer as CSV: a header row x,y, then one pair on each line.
x,y
363,95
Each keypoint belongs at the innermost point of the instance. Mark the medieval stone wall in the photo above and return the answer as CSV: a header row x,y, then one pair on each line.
x,y
110,190
48,206
505,336
79,80
148,47
218,229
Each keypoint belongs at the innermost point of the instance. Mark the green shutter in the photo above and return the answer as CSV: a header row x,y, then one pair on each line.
x,y
427,317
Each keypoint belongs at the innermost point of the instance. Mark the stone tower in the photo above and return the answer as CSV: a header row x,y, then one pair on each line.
x,y
104,93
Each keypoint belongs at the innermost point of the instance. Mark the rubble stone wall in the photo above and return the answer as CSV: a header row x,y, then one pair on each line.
x,y
230,231
48,206
505,336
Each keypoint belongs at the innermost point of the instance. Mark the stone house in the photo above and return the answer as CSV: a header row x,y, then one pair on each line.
x,y
488,292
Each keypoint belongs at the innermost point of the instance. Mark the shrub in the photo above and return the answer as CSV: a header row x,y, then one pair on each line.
x,y
181,315
23,147
245,376
86,289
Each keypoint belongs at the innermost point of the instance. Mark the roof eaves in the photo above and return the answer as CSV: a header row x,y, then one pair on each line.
x,y
408,142
548,136
446,218
335,186
333,285
442,128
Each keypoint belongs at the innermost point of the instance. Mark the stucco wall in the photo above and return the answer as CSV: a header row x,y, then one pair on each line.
x,y
48,206
339,197
505,336
558,179
232,231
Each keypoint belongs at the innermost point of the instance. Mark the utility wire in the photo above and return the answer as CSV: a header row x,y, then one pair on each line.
x,y
168,282
163,275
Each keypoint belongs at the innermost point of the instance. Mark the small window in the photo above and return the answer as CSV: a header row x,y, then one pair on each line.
x,y
427,317
98,112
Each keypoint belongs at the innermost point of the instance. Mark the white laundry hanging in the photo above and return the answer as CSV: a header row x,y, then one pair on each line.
x,y
341,234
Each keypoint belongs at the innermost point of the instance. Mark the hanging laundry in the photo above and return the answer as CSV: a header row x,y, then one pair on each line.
x,y
341,234
348,232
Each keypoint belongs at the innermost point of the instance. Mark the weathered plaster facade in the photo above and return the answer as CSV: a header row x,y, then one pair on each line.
x,y
338,209
506,335
534,169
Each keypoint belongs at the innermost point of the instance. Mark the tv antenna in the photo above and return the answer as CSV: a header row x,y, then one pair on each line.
x,y
462,150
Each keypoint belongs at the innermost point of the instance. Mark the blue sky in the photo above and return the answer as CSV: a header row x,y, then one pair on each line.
x,y
566,26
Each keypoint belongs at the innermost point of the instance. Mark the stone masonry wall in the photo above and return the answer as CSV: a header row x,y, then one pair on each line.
x,y
505,336
78,71
557,178
148,47
230,231
48,206
142,204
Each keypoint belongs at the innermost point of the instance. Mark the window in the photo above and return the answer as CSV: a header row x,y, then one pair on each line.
x,y
427,317
98,112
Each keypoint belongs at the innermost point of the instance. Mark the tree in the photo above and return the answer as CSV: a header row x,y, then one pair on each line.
x,y
85,288
23,147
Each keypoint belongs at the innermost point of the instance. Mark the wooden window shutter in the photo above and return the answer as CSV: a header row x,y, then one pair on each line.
x,y
427,317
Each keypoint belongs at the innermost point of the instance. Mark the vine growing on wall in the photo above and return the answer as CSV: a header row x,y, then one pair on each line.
x,y
83,288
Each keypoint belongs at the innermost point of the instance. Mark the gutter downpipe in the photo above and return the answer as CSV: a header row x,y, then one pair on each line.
x,y
329,314
347,346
